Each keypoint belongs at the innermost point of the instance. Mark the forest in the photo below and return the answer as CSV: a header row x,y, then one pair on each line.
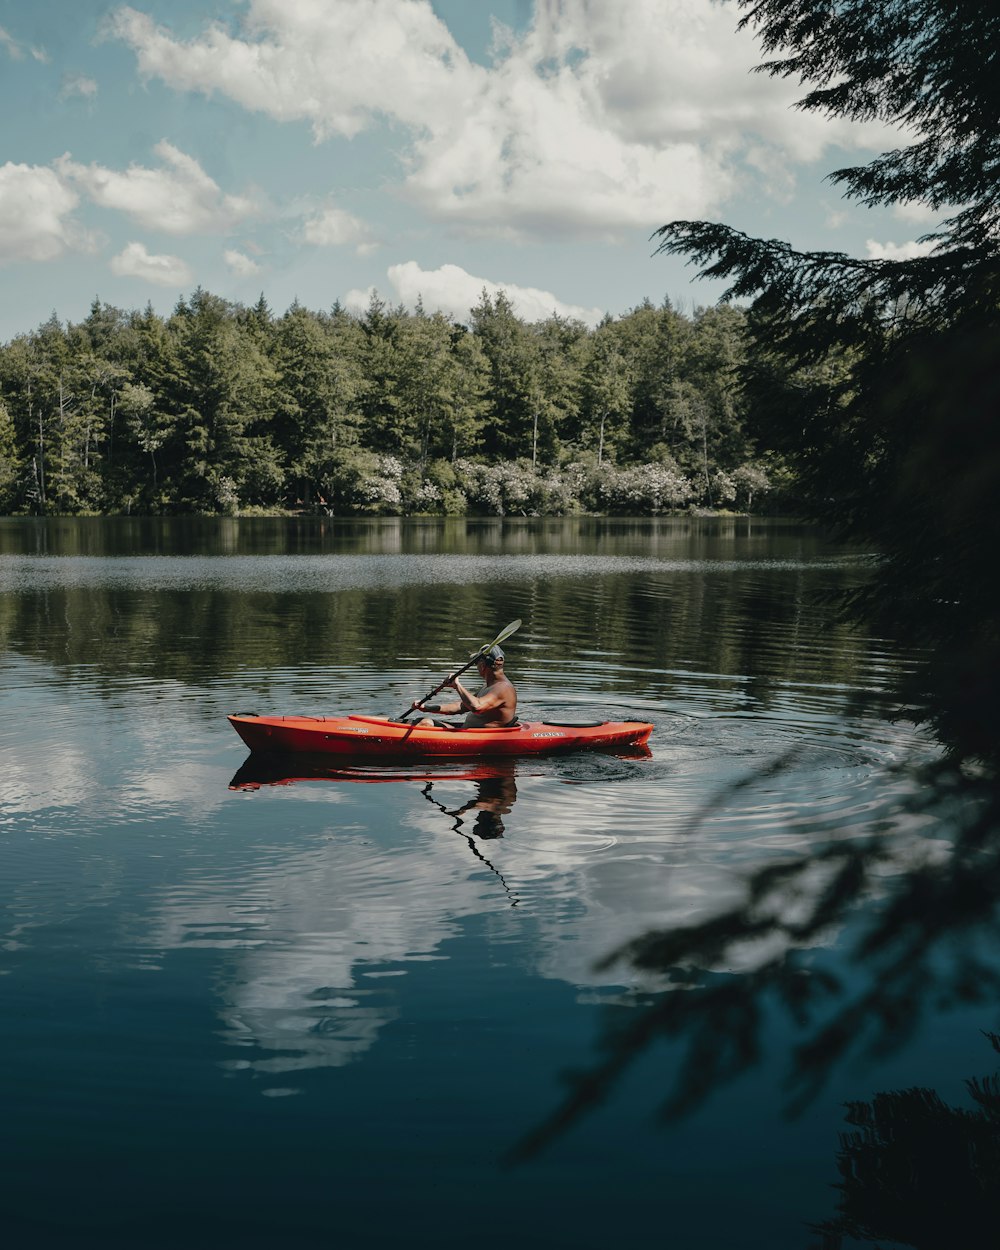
x,y
224,409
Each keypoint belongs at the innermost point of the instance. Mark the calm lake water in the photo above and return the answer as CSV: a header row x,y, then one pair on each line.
x,y
247,1008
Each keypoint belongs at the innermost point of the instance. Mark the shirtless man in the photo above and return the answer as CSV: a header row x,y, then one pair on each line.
x,y
495,704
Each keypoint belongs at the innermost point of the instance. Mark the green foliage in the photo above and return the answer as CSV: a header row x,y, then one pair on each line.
x,y
607,391
221,408
927,64
11,464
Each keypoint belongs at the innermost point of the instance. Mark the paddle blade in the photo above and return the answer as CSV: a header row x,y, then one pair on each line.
x,y
512,628
506,632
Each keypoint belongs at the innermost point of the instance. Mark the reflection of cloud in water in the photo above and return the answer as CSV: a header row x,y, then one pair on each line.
x,y
608,865
595,865
309,936
595,851
45,764
64,748
163,788
28,788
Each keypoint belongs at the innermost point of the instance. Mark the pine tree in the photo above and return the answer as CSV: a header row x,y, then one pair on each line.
x,y
895,409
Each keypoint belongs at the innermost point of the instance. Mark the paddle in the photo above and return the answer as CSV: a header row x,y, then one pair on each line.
x,y
512,628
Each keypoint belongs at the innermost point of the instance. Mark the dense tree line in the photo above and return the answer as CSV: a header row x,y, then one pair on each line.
x,y
220,408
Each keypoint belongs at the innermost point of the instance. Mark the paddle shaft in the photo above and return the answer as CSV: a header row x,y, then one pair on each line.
x,y
447,681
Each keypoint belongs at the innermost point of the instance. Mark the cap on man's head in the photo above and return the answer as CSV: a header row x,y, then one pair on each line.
x,y
492,655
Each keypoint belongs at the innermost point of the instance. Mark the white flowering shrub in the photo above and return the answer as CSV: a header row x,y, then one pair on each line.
x,y
480,486
366,482
357,480
427,497
652,487
723,488
750,480
560,493
509,488
520,488
435,488
226,496
376,486
381,493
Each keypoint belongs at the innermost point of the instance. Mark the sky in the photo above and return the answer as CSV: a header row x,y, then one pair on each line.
x,y
323,150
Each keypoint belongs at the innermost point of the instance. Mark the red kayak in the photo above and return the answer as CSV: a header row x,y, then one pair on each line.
x,y
372,736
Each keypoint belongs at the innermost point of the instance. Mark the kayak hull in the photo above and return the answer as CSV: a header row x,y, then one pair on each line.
x,y
374,736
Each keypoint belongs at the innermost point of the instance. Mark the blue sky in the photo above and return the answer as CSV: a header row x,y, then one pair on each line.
x,y
319,149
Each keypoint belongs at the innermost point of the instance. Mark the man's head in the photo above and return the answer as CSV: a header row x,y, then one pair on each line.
x,y
490,657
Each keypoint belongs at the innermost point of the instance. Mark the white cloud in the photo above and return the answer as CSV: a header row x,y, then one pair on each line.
x,y
453,291
11,45
179,198
135,262
333,227
77,85
917,212
599,119
241,264
897,251
35,215
336,66
16,52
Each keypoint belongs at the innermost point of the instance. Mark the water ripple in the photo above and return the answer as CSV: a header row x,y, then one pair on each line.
x,y
324,573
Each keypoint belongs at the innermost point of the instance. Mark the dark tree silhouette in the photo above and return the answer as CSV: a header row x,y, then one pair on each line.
x,y
919,1172
880,377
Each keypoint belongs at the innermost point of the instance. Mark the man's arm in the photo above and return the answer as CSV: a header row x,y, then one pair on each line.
x,y
470,702
435,709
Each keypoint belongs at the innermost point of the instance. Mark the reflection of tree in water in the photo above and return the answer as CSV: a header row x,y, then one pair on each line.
x,y
919,1172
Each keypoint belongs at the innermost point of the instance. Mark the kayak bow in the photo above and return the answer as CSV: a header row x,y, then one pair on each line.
x,y
378,735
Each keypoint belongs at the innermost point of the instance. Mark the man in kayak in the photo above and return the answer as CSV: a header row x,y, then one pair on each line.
x,y
495,704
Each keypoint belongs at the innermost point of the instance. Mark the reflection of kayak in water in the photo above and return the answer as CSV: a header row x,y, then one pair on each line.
x,y
480,818
496,789
373,736
275,770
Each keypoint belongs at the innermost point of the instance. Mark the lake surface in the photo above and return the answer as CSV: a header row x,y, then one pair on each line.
x,y
243,1006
